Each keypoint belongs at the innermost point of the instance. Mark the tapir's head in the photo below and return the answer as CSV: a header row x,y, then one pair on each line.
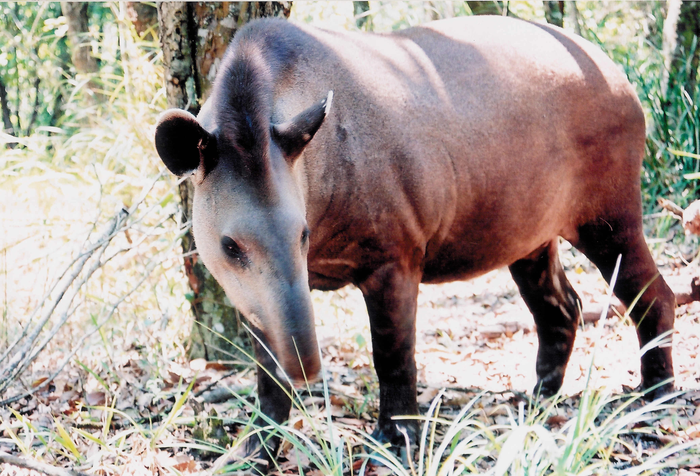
x,y
249,218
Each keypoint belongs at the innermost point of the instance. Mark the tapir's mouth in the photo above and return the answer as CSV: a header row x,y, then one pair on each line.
x,y
286,326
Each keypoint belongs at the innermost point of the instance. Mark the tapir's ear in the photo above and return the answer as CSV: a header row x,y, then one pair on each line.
x,y
183,144
292,136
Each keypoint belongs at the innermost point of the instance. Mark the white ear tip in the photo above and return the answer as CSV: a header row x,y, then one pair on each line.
x,y
329,101
174,112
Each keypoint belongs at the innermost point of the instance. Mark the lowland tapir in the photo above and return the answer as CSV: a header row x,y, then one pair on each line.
x,y
431,154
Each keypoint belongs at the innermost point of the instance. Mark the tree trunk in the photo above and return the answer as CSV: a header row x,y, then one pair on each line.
x,y
143,16
486,7
680,36
554,13
35,108
81,54
575,17
688,32
5,107
670,40
194,37
362,19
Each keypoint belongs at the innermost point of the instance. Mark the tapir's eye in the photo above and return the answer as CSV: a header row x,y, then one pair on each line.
x,y
234,251
304,237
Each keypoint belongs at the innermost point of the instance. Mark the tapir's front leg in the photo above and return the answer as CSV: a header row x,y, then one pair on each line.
x,y
274,403
391,294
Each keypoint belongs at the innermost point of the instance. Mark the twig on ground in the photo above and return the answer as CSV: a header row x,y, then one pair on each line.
x,y
19,360
149,269
36,466
81,259
668,205
29,350
221,394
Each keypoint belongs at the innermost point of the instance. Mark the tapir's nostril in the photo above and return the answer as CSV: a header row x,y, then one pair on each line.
x,y
302,373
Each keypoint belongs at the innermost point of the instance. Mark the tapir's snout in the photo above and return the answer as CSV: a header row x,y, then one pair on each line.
x,y
302,369
293,337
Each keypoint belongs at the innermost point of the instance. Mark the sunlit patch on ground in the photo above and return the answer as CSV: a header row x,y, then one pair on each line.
x,y
480,334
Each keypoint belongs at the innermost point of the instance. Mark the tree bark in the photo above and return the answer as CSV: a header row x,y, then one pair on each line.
x,y
81,54
688,32
6,114
486,7
362,20
35,108
554,13
194,37
575,18
669,42
680,32
143,16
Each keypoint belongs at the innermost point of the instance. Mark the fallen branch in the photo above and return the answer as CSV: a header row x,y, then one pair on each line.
x,y
25,349
149,269
220,394
690,217
81,259
19,360
36,466
669,206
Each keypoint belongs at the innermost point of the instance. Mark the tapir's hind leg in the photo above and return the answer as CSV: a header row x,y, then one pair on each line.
x,y
556,308
602,241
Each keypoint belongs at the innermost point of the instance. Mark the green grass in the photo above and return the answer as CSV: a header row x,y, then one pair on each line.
x,y
605,431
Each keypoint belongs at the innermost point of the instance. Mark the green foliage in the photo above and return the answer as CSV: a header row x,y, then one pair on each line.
x,y
33,60
385,15
534,441
633,38
674,133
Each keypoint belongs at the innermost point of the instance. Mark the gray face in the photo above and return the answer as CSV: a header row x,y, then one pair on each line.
x,y
249,219
253,238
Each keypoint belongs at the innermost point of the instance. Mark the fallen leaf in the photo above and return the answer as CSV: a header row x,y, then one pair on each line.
x,y
217,366
557,420
198,365
95,399
186,466
69,396
39,381
338,400
428,395
350,421
691,433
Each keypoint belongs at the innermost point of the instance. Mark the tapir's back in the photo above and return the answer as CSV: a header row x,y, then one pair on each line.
x,y
471,140
547,134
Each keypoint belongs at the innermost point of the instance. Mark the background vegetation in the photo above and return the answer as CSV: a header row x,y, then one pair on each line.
x,y
77,149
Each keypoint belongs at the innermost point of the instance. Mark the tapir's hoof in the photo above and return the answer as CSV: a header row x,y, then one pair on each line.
x,y
657,389
549,386
250,459
401,438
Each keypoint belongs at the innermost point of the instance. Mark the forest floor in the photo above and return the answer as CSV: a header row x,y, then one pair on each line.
x,y
474,339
